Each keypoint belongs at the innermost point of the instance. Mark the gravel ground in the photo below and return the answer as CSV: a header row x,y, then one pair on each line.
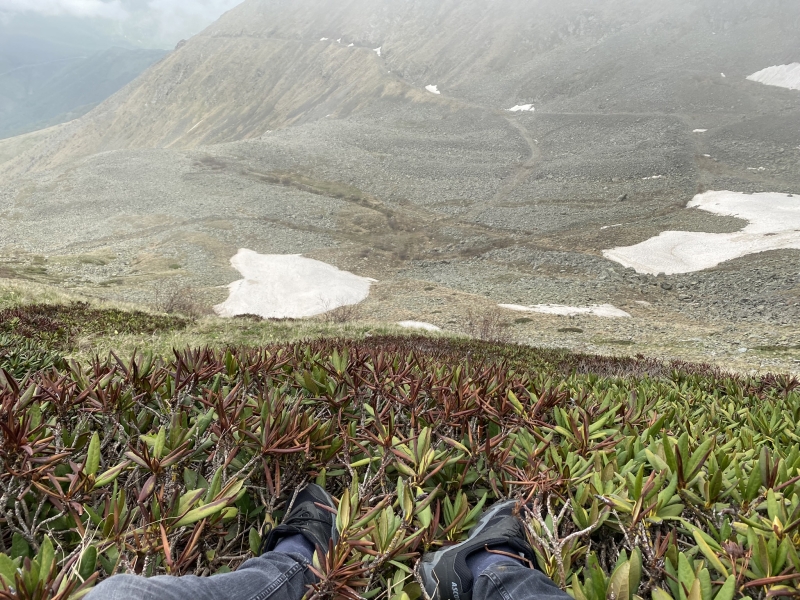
x,y
454,204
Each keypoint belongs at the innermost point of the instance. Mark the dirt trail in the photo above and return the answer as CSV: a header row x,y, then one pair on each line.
x,y
523,172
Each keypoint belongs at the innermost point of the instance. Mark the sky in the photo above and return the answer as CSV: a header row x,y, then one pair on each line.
x,y
150,22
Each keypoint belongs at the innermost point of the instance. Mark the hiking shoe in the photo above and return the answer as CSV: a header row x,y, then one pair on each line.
x,y
445,573
306,518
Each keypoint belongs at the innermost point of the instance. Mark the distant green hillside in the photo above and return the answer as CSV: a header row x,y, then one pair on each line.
x,y
54,69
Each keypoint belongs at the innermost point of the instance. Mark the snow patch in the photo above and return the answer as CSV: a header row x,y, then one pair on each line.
x,y
289,286
419,325
604,227
653,177
378,50
522,108
723,75
598,310
351,45
196,126
433,89
324,39
785,76
774,224
700,130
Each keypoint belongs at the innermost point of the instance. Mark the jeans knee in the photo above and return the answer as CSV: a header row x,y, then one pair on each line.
x,y
122,587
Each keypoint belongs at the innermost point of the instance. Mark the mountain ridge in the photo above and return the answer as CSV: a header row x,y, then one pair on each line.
x,y
223,85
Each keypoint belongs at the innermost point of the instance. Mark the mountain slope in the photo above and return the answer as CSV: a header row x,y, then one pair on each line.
x,y
55,90
262,65
259,134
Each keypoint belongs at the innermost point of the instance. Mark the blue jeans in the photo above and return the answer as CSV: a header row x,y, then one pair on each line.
x,y
277,576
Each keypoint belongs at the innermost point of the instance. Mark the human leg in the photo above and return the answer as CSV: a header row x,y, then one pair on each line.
x,y
273,576
468,571
280,573
515,581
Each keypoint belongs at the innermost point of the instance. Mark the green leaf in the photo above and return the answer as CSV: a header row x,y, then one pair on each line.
x,y
188,500
698,459
637,486
473,514
773,509
321,479
728,589
764,462
577,589
704,577
635,577
685,571
8,569
158,446
46,556
710,554
753,485
19,547
512,398
215,487
255,541
93,455
669,455
666,494
619,584
111,475
88,563
343,514
35,414
655,461
203,512
659,594
695,592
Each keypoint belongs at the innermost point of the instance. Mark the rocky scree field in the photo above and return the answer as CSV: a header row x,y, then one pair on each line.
x,y
351,161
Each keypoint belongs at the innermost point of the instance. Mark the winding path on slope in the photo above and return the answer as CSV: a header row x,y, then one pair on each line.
x,y
521,175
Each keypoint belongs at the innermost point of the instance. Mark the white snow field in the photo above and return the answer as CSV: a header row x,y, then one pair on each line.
x,y
378,51
598,310
774,224
419,325
433,89
289,286
700,130
522,108
785,76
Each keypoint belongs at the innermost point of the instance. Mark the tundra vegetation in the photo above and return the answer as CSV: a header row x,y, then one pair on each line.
x,y
638,478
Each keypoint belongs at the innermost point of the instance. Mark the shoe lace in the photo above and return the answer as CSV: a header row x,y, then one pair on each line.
x,y
302,514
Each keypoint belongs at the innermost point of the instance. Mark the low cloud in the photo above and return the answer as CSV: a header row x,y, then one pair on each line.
x,y
178,19
160,22
203,9
111,9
